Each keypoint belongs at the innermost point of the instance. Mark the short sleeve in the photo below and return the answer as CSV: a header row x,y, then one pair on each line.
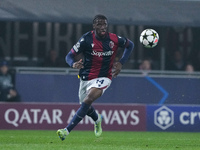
x,y
79,46
122,41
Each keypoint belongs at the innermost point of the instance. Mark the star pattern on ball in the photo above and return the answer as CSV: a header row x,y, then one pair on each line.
x,y
151,44
149,38
154,35
145,36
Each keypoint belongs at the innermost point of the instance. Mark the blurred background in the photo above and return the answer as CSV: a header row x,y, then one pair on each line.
x,y
35,37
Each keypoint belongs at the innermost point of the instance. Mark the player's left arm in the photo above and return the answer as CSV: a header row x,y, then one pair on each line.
x,y
127,52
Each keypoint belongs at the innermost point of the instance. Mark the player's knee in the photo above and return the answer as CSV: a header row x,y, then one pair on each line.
x,y
93,94
89,99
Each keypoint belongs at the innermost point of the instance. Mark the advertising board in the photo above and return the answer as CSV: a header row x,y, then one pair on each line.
x,y
54,116
173,118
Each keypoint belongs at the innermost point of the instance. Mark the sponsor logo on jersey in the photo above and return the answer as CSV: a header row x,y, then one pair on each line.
x,y
76,46
100,54
111,44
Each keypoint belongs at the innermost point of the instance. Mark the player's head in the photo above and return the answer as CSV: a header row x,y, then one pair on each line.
x,y
100,25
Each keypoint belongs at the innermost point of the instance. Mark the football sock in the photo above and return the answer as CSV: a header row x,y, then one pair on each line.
x,y
80,114
66,130
92,113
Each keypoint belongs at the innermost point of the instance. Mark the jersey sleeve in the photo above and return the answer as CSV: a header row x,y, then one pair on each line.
x,y
122,42
79,46
76,49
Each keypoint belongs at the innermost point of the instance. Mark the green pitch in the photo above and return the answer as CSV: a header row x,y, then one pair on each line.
x,y
85,140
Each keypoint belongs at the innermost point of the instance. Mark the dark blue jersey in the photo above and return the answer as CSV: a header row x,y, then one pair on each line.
x,y
99,54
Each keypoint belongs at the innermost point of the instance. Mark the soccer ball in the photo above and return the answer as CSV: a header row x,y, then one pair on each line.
x,y
149,38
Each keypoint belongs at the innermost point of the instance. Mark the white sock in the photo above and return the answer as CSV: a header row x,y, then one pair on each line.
x,y
66,130
98,120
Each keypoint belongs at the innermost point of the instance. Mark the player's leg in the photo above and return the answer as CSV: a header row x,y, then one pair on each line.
x,y
62,133
97,120
82,94
103,84
92,113
79,115
92,95
89,91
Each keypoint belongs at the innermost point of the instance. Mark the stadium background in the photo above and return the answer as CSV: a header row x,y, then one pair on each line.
x,y
29,29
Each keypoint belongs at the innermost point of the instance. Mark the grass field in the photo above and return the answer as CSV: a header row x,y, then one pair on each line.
x,y
85,140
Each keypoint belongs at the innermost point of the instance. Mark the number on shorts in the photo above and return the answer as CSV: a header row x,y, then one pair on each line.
x,y
100,81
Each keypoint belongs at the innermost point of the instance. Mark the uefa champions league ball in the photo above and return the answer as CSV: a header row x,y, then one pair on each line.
x,y
149,38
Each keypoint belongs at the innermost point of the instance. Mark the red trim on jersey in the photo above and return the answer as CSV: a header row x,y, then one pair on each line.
x,y
73,52
104,87
127,43
114,38
96,60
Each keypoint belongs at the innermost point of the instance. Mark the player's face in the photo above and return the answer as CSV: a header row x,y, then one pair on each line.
x,y
100,26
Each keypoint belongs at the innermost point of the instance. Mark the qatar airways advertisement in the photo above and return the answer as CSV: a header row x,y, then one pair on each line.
x,y
54,116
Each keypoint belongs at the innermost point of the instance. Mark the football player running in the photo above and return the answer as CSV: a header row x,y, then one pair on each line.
x,y
99,48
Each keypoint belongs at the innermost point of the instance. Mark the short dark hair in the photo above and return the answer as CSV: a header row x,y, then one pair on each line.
x,y
99,16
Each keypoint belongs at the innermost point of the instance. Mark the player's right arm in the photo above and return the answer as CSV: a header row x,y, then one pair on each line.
x,y
71,61
77,49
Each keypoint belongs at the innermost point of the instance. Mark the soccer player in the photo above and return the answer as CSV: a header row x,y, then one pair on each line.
x,y
99,48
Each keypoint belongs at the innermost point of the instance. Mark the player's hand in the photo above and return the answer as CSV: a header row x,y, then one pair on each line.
x,y
78,64
117,66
